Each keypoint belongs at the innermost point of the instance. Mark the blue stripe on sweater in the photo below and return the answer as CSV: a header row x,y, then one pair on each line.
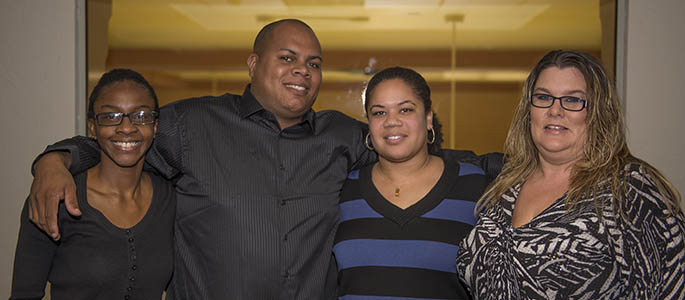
x,y
454,210
468,169
357,209
428,255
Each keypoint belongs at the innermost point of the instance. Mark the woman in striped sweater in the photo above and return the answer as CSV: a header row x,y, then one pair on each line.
x,y
403,217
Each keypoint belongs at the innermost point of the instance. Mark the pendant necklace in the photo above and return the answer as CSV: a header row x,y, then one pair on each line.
x,y
397,192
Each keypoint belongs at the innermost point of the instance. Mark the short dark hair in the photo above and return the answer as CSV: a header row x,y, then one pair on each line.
x,y
266,31
114,76
419,85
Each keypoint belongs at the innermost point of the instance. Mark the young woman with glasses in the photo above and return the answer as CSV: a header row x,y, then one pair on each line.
x,y
573,214
120,247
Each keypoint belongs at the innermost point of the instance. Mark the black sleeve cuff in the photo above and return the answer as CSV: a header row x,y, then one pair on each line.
x,y
84,153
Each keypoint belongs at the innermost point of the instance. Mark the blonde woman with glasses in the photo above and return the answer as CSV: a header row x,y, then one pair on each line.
x,y
573,214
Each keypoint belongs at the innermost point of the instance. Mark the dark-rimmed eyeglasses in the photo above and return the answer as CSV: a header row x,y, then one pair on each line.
x,y
143,117
569,103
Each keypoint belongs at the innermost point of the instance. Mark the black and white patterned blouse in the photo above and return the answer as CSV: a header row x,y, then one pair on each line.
x,y
576,255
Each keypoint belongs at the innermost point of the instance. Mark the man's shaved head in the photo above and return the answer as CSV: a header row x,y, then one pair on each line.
x,y
264,34
285,70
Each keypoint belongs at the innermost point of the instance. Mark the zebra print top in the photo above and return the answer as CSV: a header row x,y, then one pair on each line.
x,y
576,255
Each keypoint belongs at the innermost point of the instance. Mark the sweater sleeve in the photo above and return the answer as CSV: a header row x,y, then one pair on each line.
x,y
32,260
654,240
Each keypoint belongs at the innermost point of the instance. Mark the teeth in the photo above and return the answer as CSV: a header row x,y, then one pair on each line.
x,y
297,87
394,137
555,127
125,144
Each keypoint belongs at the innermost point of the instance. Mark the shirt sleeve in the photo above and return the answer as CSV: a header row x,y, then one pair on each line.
x,y
32,261
491,163
84,153
166,152
654,242
364,156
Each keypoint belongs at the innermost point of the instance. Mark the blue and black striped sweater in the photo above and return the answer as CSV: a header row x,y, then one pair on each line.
x,y
383,251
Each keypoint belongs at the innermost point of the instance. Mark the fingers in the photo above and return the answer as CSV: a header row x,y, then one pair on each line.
x,y
51,184
50,219
36,207
70,200
44,204
46,214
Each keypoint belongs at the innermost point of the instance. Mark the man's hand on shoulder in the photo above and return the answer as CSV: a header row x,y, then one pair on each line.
x,y
52,183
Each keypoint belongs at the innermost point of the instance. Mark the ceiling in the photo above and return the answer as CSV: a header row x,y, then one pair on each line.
x,y
359,24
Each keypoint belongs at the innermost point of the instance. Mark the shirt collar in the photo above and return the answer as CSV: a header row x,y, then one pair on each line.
x,y
249,106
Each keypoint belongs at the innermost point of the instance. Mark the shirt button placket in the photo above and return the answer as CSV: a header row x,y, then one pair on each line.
x,y
281,178
132,262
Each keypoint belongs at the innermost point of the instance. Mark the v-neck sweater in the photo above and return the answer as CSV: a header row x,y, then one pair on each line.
x,y
384,251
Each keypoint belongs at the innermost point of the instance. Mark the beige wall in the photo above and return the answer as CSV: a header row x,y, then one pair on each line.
x,y
38,84
655,86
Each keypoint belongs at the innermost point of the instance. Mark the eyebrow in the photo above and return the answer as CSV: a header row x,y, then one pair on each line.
x,y
399,104
116,107
308,58
567,92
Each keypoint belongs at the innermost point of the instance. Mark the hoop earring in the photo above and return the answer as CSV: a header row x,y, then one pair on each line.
x,y
367,143
431,140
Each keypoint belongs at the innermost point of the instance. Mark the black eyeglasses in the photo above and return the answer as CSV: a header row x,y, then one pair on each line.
x,y
569,103
143,117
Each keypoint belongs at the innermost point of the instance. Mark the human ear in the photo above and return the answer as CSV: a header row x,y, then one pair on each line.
x,y
429,120
91,129
252,63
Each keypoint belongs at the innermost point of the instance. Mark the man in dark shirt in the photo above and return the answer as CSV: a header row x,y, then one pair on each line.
x,y
258,178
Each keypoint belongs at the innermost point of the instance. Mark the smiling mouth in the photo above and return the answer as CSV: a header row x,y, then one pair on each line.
x,y
555,127
126,146
296,87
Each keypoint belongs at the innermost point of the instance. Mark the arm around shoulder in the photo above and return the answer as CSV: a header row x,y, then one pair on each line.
x,y
78,154
491,163
53,182
166,153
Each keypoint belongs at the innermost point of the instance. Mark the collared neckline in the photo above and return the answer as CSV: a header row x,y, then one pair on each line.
x,y
249,106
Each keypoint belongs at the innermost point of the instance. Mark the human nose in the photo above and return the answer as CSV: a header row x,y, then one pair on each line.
x,y
302,70
126,126
392,120
556,108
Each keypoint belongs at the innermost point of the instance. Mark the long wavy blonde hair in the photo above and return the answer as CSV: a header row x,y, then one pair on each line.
x,y
605,152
